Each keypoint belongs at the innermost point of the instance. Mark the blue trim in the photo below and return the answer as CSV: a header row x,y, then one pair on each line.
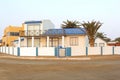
x,y
113,50
101,51
36,51
57,52
31,22
18,51
68,51
86,51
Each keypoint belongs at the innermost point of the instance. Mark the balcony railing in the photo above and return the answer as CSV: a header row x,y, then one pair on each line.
x,y
41,33
31,33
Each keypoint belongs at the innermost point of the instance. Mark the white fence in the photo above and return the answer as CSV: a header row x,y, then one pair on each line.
x,y
28,51
50,51
46,51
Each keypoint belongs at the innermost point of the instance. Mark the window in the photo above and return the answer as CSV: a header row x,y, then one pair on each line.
x,y
54,42
13,33
73,41
101,44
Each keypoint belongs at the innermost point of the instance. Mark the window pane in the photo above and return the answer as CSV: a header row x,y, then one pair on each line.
x,y
74,41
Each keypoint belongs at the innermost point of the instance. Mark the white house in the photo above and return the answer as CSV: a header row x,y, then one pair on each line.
x,y
100,42
33,30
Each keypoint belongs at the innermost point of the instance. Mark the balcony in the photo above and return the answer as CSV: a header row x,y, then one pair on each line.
x,y
30,33
51,32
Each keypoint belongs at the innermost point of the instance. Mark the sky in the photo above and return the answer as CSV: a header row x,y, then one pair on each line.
x,y
16,12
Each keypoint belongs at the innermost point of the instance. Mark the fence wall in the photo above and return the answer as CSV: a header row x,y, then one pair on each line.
x,y
27,51
46,51
51,51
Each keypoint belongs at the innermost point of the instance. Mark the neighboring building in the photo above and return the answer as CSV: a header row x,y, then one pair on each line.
x,y
113,43
100,42
11,33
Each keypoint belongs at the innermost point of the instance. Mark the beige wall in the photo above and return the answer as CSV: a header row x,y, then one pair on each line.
x,y
77,50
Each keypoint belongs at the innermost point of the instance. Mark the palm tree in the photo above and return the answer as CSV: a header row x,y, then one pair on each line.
x,y
117,39
70,24
91,30
103,36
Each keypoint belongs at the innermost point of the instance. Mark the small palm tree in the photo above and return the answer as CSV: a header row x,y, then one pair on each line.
x,y
70,24
103,36
91,30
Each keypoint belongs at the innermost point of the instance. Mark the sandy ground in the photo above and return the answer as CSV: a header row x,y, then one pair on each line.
x,y
98,68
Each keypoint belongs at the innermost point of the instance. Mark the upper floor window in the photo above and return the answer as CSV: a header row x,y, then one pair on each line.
x,y
33,27
13,33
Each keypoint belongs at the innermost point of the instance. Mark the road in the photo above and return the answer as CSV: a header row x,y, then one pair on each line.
x,y
98,68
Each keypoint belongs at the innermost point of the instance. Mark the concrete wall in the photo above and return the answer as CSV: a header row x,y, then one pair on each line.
x,y
50,51
46,51
107,50
117,50
94,51
27,51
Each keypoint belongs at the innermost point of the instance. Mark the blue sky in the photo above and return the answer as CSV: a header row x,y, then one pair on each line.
x,y
15,12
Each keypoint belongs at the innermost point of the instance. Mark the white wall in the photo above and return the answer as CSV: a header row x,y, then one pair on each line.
x,y
11,50
15,51
28,51
46,51
107,50
117,50
94,50
47,24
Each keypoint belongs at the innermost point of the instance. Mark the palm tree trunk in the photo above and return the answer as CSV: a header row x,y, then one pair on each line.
x,y
91,42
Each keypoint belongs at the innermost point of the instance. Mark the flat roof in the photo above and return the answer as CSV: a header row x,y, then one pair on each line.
x,y
30,22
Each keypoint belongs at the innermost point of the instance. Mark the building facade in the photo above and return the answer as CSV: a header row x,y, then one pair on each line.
x,y
10,34
33,31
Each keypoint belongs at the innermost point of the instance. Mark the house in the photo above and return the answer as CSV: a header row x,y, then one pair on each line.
x,y
10,34
75,38
32,32
100,42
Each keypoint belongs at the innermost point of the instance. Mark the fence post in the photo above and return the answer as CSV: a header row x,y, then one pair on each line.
x,y
86,51
18,51
68,51
36,51
101,51
113,51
